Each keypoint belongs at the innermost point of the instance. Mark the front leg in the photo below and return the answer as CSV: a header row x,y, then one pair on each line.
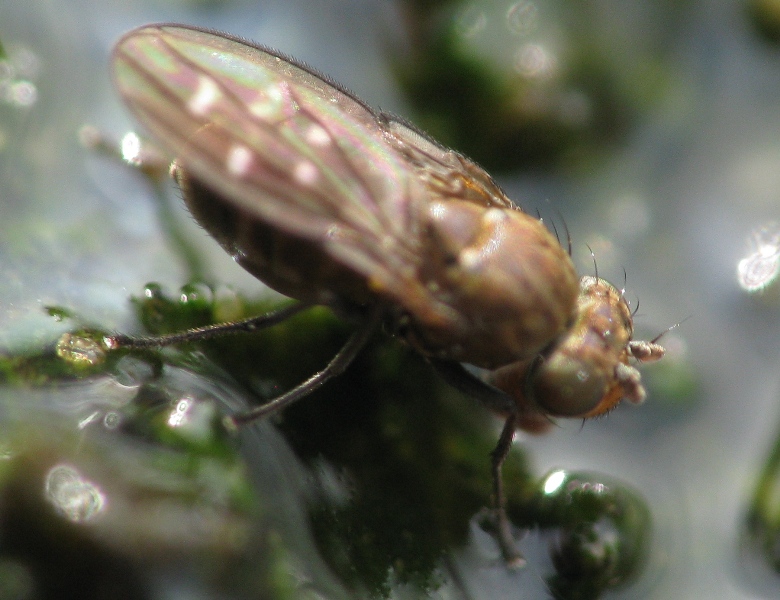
x,y
514,559
463,380
500,402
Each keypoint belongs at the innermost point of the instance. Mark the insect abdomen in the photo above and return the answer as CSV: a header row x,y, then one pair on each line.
x,y
293,266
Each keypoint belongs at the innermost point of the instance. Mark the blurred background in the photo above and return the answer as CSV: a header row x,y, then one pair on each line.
x,y
651,129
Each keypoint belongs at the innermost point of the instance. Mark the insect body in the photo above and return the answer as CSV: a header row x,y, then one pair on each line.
x,y
330,202
327,201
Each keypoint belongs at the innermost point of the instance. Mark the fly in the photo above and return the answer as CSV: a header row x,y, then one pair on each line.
x,y
331,202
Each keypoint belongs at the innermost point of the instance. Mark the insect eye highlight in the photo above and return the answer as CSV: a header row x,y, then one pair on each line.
x,y
566,387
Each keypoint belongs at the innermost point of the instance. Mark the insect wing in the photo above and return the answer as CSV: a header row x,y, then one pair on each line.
x,y
446,173
278,140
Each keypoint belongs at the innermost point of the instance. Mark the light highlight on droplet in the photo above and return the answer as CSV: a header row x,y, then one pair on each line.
x,y
131,148
760,268
554,481
75,497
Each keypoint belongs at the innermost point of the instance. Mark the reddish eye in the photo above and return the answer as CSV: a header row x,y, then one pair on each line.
x,y
566,386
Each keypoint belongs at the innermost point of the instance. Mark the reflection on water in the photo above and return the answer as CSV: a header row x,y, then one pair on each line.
x,y
759,269
19,66
178,415
77,498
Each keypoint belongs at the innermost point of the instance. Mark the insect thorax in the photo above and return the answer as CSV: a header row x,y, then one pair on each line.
x,y
491,285
508,287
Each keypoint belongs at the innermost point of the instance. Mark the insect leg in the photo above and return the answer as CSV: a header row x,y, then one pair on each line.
x,y
506,541
336,366
114,342
463,380
455,374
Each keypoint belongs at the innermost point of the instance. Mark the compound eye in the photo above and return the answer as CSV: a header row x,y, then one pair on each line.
x,y
564,387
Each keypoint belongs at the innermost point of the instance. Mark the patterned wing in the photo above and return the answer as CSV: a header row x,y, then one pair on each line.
x,y
295,150
446,173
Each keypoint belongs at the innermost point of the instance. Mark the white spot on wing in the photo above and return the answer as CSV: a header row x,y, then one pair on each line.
x,y
267,103
317,136
239,160
205,96
305,173
275,101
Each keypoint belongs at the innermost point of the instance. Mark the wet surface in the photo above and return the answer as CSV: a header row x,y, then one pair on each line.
x,y
681,198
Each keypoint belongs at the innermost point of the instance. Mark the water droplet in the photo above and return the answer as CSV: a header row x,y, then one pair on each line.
x,y
75,497
522,18
470,22
80,350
